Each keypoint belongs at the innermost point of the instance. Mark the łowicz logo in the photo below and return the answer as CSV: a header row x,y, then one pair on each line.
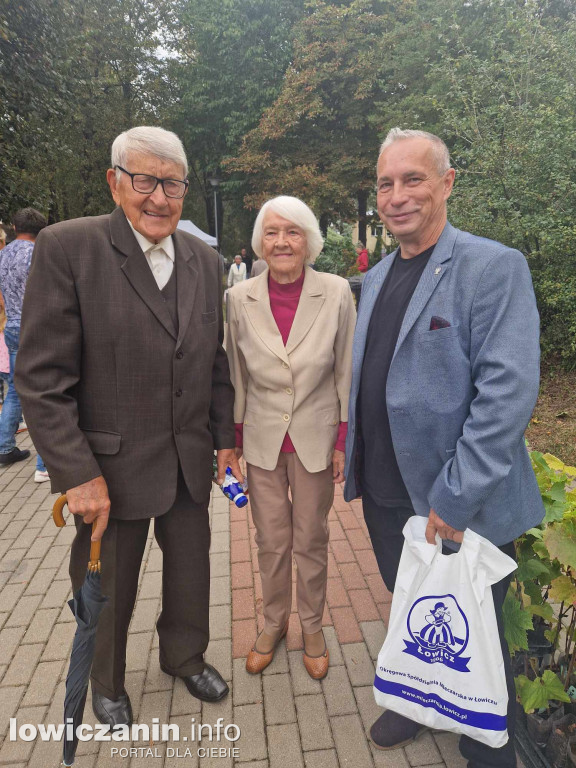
x,y
439,632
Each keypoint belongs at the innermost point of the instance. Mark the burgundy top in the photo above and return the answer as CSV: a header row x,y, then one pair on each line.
x,y
284,298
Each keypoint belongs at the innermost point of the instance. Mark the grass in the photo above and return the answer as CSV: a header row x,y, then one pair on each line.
x,y
552,428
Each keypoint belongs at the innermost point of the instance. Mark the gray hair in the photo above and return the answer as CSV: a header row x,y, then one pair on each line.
x,y
148,141
439,148
297,212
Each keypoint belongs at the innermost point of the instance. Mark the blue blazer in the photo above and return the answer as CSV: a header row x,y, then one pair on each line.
x,y
459,398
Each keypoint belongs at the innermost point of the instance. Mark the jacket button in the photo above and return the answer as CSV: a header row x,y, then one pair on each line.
x,y
286,417
178,393
288,391
179,354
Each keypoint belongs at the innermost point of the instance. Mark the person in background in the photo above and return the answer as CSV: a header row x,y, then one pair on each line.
x,y
4,357
247,259
362,260
15,261
237,272
445,378
258,266
289,346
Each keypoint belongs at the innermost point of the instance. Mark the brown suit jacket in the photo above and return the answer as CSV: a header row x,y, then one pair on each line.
x,y
108,385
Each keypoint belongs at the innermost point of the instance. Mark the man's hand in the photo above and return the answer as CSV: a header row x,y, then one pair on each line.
x,y
227,458
338,463
91,501
445,531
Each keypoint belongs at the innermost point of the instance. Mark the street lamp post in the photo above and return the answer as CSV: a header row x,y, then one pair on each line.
x,y
215,182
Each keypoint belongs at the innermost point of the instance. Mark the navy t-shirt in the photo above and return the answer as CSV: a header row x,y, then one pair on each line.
x,y
380,476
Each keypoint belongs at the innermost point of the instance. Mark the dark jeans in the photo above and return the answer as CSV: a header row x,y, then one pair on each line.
x,y
385,526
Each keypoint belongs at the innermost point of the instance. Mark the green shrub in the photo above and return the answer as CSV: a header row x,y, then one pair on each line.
x,y
338,255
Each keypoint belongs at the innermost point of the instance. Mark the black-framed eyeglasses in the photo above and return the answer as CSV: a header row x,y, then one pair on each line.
x,y
146,184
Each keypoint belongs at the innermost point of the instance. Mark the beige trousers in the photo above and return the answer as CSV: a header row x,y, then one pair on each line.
x,y
287,525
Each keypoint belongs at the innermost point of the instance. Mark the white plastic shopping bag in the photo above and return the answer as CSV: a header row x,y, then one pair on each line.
x,y
441,663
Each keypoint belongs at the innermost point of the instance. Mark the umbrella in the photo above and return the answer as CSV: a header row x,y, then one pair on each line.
x,y
86,606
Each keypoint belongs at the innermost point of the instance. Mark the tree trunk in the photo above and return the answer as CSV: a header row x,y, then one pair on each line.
x,y
362,196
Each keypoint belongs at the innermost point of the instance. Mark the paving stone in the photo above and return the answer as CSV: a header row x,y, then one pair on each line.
x,y
394,758
239,530
302,683
246,688
242,576
150,586
352,576
240,552
243,637
106,759
363,605
55,557
41,546
447,743
346,625
220,592
351,744
220,622
183,703
313,722
359,664
279,664
378,588
342,551
338,692
10,698
252,743
336,594
156,680
278,700
12,530
12,558
322,759
284,746
220,542
144,616
368,709
219,655
138,651
19,750
219,564
374,635
334,650
22,615
423,751
180,758
9,641
154,562
43,683
255,764
55,592
59,643
22,665
154,705
220,523
10,595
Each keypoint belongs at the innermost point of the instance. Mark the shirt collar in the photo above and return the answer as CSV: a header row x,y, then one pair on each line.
x,y
167,244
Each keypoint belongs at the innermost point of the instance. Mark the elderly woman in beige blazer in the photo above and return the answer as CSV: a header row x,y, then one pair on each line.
x,y
289,347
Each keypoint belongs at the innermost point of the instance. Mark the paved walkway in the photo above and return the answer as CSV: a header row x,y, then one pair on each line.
x,y
286,719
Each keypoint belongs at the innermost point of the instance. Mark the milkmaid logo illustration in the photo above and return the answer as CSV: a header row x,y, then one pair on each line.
x,y
439,631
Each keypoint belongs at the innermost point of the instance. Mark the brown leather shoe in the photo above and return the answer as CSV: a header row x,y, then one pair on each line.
x,y
317,666
256,661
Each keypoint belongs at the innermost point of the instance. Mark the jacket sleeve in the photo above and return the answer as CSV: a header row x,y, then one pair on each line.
x,y
48,366
504,365
222,399
343,349
238,368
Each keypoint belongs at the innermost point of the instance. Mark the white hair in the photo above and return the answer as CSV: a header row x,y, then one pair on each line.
x,y
297,212
439,148
148,140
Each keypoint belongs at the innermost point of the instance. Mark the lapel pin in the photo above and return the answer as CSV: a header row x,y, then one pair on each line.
x,y
437,270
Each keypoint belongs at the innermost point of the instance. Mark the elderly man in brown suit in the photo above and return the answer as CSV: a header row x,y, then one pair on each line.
x,y
126,392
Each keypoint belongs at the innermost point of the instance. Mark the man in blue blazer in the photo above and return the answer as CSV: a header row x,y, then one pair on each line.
x,y
445,378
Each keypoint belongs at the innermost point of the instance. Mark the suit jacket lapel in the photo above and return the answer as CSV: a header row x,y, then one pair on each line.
x,y
257,306
186,283
311,300
137,271
431,277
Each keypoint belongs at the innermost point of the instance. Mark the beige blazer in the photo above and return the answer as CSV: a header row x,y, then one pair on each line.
x,y
302,388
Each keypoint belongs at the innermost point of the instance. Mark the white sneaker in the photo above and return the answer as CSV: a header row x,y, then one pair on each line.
x,y
41,476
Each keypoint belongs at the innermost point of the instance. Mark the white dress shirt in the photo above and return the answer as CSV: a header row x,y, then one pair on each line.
x,y
160,256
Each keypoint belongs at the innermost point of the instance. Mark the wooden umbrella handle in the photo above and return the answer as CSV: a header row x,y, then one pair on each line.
x,y
58,517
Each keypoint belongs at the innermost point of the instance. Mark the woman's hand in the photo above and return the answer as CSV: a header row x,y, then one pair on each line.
x,y
338,462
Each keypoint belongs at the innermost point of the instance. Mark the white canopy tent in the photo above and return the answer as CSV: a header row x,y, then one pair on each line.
x,y
187,226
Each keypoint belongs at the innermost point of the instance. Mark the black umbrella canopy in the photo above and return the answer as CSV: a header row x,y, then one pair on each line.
x,y
86,605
